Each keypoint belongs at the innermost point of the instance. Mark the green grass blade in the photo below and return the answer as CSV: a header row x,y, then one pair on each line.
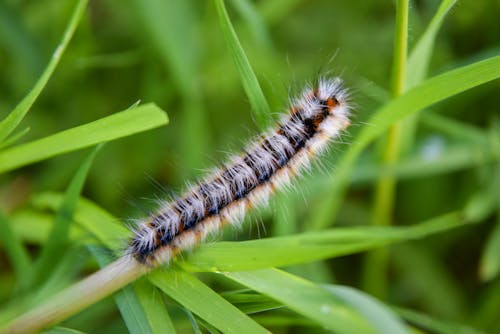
x,y
434,325
204,302
58,237
102,225
453,128
419,166
8,124
126,299
418,61
490,260
154,307
305,298
380,316
431,91
15,137
308,247
170,26
254,21
119,125
62,330
16,253
249,80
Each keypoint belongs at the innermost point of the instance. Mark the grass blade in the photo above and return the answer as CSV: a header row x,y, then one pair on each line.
x,y
126,299
249,80
16,253
308,247
424,95
119,125
304,297
379,315
418,61
58,237
8,124
154,307
204,302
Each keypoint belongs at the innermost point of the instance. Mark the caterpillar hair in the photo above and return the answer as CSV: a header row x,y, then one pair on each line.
x,y
317,116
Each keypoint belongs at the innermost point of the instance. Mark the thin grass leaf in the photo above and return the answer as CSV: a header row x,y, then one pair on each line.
x,y
62,330
17,255
433,324
453,128
14,138
194,323
489,266
427,93
308,247
485,315
155,309
420,166
304,298
67,269
102,225
419,58
204,302
118,125
58,237
254,21
417,265
12,120
171,29
380,316
249,80
126,299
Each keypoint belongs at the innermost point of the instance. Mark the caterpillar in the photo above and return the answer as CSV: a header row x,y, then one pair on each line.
x,y
318,115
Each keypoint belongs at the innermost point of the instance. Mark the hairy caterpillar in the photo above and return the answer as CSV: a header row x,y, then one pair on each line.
x,y
318,115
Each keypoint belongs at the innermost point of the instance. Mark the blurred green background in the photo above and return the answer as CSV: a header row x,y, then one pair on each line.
x,y
173,53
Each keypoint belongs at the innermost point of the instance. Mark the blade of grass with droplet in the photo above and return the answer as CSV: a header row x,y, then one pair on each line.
x,y
8,124
249,80
203,301
431,91
118,125
379,315
305,298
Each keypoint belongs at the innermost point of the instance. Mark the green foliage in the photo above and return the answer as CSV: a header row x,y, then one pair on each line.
x,y
216,66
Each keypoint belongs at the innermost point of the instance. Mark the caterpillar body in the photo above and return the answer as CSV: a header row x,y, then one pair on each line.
x,y
318,115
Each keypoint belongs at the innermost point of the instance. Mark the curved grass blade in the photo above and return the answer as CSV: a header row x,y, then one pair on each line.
x,y
306,298
204,302
249,80
308,247
58,237
379,315
419,58
8,124
16,253
118,125
431,91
